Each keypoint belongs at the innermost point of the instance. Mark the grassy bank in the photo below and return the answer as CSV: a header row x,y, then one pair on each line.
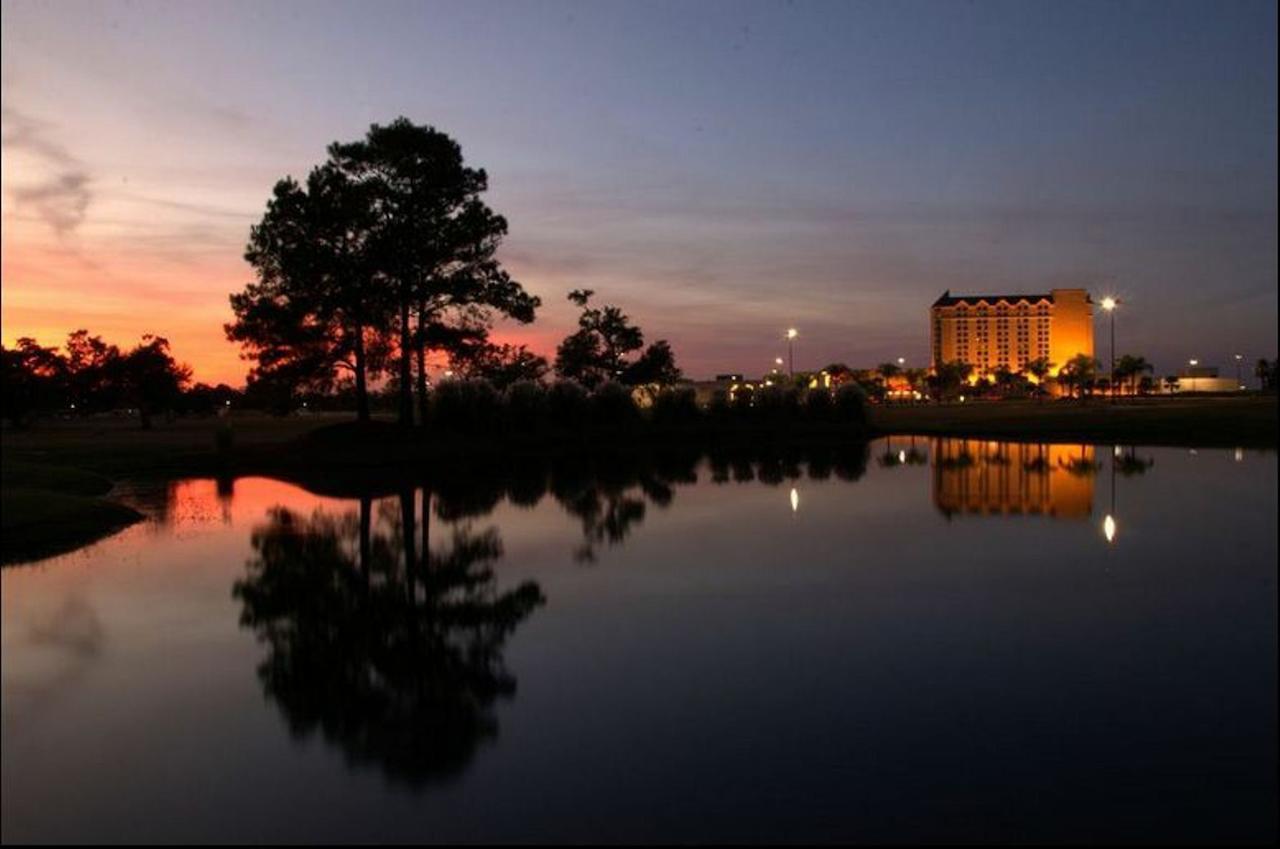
x,y
48,510
55,475
1248,421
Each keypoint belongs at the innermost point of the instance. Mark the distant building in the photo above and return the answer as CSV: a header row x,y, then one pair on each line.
x,y
989,331
1205,379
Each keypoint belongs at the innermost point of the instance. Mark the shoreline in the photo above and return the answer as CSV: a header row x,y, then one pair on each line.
x,y
57,480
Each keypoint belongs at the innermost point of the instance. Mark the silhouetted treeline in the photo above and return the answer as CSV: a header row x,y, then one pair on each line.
x,y
474,409
89,375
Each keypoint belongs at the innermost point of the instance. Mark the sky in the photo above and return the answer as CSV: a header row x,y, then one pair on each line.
x,y
721,171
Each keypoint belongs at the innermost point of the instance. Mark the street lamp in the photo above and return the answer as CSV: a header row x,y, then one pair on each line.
x,y
1109,304
791,356
1239,379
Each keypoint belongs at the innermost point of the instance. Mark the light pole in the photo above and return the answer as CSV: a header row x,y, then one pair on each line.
x,y
791,356
1239,379
1109,304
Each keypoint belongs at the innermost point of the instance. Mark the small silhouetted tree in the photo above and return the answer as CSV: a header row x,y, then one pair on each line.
x,y
501,365
34,378
93,372
599,350
1039,368
1079,373
152,379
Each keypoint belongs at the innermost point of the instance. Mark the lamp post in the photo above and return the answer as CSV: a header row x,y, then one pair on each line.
x,y
791,356
1109,304
1239,379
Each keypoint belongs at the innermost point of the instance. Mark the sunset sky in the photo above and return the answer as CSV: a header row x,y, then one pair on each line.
x,y
722,171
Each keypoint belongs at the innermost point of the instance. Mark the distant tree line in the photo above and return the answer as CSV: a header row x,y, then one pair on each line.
x,y
92,376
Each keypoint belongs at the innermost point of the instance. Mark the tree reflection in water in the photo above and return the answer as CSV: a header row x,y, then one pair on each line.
x,y
391,647
396,660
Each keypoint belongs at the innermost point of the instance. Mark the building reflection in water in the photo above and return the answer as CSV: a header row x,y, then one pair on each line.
x,y
983,477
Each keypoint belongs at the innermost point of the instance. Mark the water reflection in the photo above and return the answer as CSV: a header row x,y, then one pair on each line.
x,y
393,657
1006,478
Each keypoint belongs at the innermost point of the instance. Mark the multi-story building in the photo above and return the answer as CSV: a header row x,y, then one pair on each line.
x,y
990,331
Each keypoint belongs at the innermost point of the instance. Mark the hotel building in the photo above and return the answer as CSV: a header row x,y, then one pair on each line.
x,y
989,331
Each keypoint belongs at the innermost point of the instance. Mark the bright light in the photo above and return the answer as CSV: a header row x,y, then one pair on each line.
x,y
1109,528
1193,362
1239,357
777,361
795,500
1115,452
902,361
1109,303
1239,455
791,333
902,456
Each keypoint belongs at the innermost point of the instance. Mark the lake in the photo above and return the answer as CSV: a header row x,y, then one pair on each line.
x,y
918,639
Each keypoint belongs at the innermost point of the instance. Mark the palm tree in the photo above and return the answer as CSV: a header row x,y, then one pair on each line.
x,y
1039,368
1079,373
1129,367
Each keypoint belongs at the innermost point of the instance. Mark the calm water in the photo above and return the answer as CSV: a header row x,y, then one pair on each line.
x,y
920,640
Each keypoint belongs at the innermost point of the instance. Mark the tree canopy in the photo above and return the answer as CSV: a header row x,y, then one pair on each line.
x,y
386,252
599,350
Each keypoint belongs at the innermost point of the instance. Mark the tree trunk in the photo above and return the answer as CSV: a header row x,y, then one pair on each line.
x,y
407,520
406,364
362,386
421,345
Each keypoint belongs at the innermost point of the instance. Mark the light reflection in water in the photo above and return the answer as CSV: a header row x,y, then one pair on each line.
x,y
393,623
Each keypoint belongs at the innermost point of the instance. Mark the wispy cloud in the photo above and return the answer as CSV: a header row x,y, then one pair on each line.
x,y
62,192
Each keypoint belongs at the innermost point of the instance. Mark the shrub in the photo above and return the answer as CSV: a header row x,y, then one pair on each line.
x,y
720,409
526,407
676,406
743,403
612,406
818,406
567,404
768,402
851,404
465,406
777,405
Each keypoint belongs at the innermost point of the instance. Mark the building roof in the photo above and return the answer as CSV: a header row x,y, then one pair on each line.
x,y
949,300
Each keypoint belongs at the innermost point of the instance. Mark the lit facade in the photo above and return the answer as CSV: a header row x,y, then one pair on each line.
x,y
990,331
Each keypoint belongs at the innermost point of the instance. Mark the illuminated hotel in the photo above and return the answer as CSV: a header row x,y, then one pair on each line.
x,y
989,331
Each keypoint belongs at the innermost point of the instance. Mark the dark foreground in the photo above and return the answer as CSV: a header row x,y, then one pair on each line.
x,y
913,640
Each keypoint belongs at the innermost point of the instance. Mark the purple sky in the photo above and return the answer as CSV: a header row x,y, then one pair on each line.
x,y
720,170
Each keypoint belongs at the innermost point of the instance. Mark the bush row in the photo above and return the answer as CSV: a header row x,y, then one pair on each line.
x,y
475,407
